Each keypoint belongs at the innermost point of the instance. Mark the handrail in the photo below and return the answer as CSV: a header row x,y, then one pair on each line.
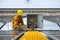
x,y
2,26
58,24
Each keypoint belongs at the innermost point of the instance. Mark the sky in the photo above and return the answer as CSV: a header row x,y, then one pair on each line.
x,y
30,4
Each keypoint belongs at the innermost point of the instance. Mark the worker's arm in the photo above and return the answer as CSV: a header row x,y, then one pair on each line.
x,y
25,27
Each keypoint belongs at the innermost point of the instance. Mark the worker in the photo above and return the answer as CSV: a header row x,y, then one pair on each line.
x,y
18,21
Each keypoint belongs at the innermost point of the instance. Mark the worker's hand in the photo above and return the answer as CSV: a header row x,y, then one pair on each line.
x,y
25,27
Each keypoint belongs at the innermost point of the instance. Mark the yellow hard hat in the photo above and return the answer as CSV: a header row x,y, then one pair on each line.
x,y
19,12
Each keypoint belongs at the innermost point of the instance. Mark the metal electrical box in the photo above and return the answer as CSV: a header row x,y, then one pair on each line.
x,y
35,21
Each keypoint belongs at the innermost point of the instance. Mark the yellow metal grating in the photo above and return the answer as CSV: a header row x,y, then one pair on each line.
x,y
33,35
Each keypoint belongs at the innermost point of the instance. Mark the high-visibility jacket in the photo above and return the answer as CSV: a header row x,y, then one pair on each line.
x,y
17,21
